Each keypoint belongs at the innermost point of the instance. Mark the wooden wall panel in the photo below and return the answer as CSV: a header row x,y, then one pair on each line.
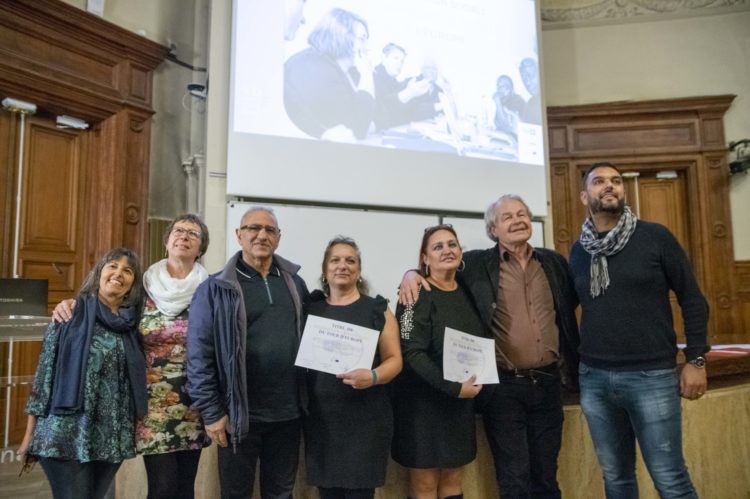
x,y
742,272
51,188
68,61
638,137
8,146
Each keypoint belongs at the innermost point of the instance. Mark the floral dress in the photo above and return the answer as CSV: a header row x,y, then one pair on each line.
x,y
170,424
104,430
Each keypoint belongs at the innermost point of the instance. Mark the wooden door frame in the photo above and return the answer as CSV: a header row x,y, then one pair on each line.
x,y
678,134
67,61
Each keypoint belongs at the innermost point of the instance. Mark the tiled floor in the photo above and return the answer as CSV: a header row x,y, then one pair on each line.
x,y
29,486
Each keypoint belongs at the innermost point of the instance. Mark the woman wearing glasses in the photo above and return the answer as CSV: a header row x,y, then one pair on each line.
x,y
171,435
350,424
434,430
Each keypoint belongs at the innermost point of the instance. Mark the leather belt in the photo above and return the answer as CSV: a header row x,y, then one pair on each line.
x,y
550,370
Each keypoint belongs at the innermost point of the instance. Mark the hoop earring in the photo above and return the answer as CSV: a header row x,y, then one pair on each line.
x,y
462,265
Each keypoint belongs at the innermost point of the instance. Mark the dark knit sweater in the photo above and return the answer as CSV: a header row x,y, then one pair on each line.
x,y
629,327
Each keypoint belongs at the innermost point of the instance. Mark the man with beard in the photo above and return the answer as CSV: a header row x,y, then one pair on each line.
x,y
525,297
624,269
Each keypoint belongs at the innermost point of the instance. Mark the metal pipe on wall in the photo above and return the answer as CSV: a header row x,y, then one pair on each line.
x,y
22,108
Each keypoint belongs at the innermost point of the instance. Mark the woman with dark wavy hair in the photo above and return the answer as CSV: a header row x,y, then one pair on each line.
x,y
89,388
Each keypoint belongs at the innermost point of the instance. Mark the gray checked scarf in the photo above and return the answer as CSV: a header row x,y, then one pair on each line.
x,y
601,248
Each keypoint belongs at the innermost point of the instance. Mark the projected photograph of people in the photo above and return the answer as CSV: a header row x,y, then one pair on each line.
x,y
459,77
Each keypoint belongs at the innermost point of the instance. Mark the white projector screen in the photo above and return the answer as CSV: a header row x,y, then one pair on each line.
x,y
426,104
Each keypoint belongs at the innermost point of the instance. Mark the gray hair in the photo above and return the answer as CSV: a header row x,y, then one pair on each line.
x,y
490,216
253,209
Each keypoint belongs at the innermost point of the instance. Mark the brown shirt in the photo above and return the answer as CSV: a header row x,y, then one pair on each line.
x,y
523,324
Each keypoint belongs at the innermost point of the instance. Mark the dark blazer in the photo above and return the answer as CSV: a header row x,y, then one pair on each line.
x,y
482,276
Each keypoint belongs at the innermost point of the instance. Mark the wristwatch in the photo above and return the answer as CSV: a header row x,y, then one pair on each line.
x,y
699,362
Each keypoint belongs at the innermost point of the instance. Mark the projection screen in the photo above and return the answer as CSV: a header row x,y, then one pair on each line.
x,y
424,104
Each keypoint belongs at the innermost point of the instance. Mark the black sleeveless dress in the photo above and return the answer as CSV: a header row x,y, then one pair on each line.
x,y
348,432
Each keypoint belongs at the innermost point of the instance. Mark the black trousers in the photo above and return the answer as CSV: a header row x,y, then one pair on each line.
x,y
276,445
71,479
172,475
339,493
523,420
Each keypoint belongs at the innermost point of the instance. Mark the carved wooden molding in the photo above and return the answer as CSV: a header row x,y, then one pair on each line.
x,y
66,60
713,103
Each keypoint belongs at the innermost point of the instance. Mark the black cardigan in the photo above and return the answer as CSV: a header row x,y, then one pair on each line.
x,y
481,278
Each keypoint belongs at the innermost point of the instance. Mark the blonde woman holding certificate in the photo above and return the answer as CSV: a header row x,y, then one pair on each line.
x,y
350,424
435,429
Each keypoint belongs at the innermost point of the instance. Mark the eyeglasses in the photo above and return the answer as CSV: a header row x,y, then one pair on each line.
x,y
255,229
191,234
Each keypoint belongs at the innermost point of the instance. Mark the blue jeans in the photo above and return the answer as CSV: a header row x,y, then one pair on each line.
x,y
70,479
622,406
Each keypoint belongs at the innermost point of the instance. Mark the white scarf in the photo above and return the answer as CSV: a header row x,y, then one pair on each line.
x,y
172,296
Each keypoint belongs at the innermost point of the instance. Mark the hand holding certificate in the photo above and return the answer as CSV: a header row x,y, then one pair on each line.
x,y
336,347
465,355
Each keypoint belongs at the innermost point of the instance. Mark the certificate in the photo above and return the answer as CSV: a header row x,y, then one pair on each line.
x,y
465,355
336,347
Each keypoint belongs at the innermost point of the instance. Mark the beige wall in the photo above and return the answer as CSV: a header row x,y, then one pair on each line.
x,y
178,129
708,55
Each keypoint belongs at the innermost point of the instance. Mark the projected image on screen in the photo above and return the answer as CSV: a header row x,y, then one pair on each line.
x,y
459,77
